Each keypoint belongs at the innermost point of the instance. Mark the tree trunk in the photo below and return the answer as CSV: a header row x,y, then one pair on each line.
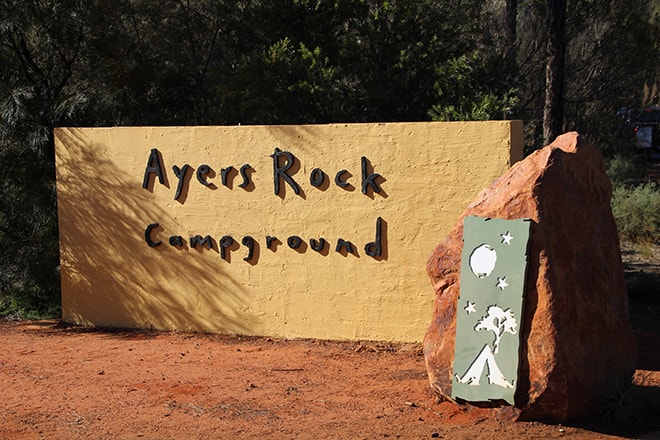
x,y
510,23
553,114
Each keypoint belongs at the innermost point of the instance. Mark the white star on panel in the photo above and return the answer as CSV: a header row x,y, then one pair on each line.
x,y
501,283
506,238
469,308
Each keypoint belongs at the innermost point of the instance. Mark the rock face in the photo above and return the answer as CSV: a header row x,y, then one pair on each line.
x,y
576,337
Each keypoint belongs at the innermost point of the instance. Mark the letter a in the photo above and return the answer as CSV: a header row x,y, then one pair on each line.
x,y
154,166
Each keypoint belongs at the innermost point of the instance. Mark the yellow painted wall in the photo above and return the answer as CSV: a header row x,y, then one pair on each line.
x,y
112,277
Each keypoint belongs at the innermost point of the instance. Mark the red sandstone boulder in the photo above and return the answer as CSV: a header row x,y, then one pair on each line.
x,y
576,335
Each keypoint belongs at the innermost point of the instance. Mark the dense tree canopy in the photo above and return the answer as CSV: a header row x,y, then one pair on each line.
x,y
176,62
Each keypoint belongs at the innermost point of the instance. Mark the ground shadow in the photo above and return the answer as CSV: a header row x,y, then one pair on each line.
x,y
631,409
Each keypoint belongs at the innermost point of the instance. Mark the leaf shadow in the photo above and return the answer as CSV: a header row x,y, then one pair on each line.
x,y
110,276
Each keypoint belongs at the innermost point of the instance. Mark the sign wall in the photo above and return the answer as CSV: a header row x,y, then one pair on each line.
x,y
292,231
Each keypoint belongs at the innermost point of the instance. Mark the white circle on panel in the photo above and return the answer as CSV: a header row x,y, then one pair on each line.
x,y
482,260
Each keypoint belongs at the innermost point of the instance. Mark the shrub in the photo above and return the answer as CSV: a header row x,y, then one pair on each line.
x,y
623,169
636,210
631,403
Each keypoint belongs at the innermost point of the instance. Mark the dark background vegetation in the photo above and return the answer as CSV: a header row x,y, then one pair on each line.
x,y
198,62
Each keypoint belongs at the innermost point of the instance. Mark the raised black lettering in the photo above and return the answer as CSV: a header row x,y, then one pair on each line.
x,y
294,242
201,241
339,179
181,174
224,174
225,242
203,171
246,179
279,171
343,244
369,179
176,241
317,245
147,235
316,177
249,242
271,242
374,248
154,166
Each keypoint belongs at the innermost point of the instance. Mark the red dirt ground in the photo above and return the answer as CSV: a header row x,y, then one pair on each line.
x,y
65,382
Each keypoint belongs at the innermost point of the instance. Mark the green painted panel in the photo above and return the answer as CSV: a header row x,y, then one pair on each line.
x,y
489,309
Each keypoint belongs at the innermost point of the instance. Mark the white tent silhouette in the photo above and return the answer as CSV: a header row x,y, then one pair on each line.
x,y
484,359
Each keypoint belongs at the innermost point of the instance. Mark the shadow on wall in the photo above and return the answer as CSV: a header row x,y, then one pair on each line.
x,y
110,276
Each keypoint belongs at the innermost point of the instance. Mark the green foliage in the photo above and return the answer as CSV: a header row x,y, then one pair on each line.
x,y
35,95
25,304
636,210
611,54
466,90
139,62
71,63
625,169
636,207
